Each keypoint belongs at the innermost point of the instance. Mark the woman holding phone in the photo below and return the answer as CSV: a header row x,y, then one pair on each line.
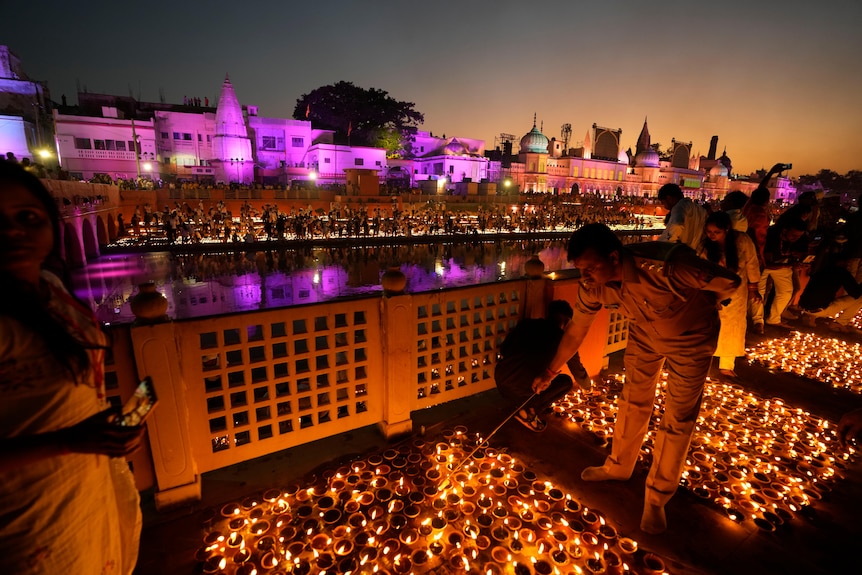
x,y
65,503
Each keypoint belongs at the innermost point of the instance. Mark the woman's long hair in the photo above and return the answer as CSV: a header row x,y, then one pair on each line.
x,y
713,249
20,301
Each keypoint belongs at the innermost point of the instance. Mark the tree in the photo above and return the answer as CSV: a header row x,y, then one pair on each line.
x,y
361,116
826,178
397,143
830,180
664,155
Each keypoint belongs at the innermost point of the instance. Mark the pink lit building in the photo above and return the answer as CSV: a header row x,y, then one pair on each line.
x,y
282,147
599,165
455,159
230,143
328,161
107,145
226,144
25,133
185,144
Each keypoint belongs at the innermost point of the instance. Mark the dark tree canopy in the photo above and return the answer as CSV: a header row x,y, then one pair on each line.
x,y
830,180
371,116
665,155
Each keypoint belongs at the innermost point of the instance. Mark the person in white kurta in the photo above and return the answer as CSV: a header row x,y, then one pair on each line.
x,y
685,219
719,240
67,499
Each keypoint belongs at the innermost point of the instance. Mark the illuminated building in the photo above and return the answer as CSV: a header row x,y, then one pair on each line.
x,y
445,161
231,143
25,123
599,165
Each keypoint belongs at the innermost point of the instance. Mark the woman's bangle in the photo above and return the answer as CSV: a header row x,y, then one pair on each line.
x,y
551,374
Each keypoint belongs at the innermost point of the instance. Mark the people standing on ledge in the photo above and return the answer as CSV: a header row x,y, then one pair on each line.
x,y
685,219
68,502
670,296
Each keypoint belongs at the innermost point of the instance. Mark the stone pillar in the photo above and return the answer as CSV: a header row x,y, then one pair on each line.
x,y
396,326
157,355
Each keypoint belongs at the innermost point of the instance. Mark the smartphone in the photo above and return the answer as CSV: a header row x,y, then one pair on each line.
x,y
138,407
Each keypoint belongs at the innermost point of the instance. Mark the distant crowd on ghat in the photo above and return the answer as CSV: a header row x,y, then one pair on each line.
x,y
779,249
185,224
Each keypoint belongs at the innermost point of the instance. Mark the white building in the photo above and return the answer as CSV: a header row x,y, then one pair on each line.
x,y
231,143
228,144
26,124
107,145
447,161
185,144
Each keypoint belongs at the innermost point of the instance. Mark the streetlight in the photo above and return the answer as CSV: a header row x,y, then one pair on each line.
x,y
149,158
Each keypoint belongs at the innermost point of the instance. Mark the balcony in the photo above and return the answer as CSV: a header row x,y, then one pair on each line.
x,y
543,493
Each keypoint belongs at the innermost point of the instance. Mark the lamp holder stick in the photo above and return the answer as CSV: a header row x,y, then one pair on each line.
x,y
484,442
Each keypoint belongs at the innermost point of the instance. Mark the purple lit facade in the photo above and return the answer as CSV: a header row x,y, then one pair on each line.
x,y
27,132
86,147
231,143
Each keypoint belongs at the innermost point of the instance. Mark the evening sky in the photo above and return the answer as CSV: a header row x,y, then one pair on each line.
x,y
775,81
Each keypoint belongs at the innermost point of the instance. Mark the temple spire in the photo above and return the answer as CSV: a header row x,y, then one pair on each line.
x,y
231,143
643,139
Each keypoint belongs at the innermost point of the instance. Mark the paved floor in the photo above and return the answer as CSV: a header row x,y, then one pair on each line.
x,y
700,539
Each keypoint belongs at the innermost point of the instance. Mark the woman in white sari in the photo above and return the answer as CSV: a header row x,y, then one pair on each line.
x,y
63,484
736,251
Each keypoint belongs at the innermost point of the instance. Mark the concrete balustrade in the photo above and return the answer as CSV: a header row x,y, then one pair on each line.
x,y
240,386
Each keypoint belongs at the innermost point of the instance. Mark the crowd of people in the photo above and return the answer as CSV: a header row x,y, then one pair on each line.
x,y
187,224
689,297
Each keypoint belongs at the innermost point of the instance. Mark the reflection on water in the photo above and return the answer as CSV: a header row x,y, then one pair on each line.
x,y
201,285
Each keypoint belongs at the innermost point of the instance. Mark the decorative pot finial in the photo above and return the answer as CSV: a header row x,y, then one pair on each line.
x,y
149,305
393,281
534,267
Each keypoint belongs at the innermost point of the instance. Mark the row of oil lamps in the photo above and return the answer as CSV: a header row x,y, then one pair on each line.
x,y
424,507
427,507
830,360
755,458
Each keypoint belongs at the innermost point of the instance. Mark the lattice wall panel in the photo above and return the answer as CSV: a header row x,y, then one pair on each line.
x,y
618,332
265,382
457,336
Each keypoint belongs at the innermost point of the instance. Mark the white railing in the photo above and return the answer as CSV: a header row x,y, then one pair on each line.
x,y
240,386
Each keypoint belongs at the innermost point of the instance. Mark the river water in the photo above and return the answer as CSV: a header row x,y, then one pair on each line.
x,y
203,285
